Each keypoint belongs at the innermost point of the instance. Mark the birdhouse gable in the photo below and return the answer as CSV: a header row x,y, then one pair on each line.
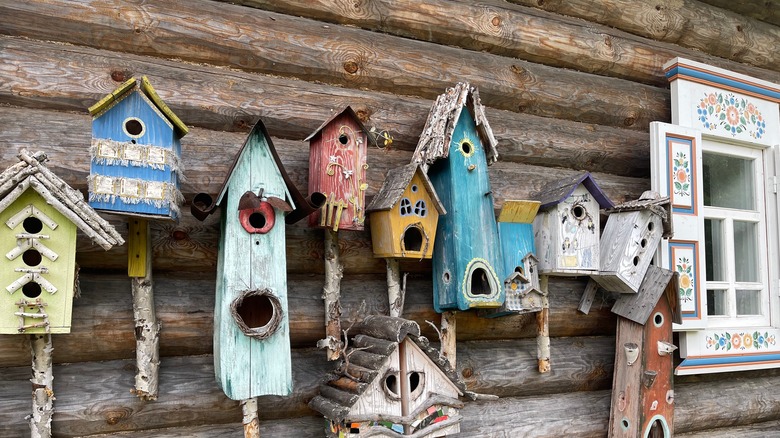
x,y
346,112
657,283
555,192
404,182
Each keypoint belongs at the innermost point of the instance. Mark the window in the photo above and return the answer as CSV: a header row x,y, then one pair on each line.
x,y
420,209
405,207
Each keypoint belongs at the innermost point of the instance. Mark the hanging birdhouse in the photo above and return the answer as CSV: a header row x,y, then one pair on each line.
x,y
135,167
337,170
566,230
642,389
40,214
405,214
251,329
457,145
630,240
391,383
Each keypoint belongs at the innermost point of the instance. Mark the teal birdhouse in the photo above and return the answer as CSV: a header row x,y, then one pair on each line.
x,y
251,329
457,145
135,154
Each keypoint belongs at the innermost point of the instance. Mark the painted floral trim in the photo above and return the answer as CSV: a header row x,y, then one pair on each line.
x,y
733,114
682,174
685,269
739,341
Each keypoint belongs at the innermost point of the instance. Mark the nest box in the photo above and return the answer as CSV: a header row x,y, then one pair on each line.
x,y
404,215
630,240
566,230
251,328
391,383
40,214
337,171
135,167
457,145
642,388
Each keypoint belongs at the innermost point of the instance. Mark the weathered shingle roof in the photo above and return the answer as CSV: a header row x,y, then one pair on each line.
x,y
554,192
436,137
30,172
652,201
638,307
396,182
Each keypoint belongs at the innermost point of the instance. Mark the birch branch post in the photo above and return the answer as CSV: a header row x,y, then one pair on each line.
x,y
543,328
449,346
42,392
251,420
331,293
396,291
147,328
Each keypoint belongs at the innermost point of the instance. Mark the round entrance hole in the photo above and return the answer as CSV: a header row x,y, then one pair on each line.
x,y
413,239
258,313
257,220
134,127
31,290
32,225
343,139
578,212
32,257
467,148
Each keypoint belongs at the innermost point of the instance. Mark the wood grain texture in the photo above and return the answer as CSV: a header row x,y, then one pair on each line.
x,y
264,42
764,10
688,23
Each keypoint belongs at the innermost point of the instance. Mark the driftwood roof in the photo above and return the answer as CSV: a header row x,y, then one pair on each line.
x,y
396,182
372,341
436,137
347,110
638,307
555,192
146,87
30,172
652,201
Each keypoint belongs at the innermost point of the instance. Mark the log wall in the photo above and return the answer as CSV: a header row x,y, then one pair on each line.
x,y
568,85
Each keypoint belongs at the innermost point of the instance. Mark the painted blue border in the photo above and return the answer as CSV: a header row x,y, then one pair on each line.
x,y
670,176
696,272
721,80
729,360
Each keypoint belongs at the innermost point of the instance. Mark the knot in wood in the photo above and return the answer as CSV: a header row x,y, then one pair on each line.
x,y
114,416
351,67
496,21
467,372
179,235
120,76
629,121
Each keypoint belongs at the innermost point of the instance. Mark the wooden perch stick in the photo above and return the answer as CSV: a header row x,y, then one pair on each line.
x,y
42,393
395,291
251,420
147,328
543,328
331,293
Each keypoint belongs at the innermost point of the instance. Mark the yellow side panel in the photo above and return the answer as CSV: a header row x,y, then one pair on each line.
x,y
522,212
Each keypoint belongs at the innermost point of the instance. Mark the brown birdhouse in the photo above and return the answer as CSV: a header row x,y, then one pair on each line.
x,y
337,171
642,386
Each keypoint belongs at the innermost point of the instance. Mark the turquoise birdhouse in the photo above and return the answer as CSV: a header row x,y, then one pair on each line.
x,y
251,329
457,145
135,152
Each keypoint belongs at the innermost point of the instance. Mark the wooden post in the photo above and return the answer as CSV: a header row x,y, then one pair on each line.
x,y
331,293
449,345
42,392
588,296
404,383
395,292
251,420
543,329
147,328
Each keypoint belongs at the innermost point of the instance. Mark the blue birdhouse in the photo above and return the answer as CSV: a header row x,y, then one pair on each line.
x,y
135,153
457,145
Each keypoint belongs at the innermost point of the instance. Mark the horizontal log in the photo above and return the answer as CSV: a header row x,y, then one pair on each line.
x,y
265,42
511,30
756,430
688,23
103,327
766,11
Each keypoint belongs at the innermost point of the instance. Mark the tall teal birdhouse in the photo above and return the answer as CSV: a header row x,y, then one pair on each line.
x,y
135,167
251,329
40,214
457,145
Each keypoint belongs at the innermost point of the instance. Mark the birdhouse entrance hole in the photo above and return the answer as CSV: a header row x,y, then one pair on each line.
x,y
32,257
578,212
31,290
479,282
413,239
258,313
343,139
32,225
257,220
391,385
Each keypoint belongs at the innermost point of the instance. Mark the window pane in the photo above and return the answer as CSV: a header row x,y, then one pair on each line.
x,y
716,302
728,182
745,251
748,302
713,247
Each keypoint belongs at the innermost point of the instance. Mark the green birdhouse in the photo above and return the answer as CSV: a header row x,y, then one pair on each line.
x,y
40,214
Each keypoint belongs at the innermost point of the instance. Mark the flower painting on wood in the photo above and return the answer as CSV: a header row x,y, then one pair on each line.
x,y
682,169
685,263
730,113
740,341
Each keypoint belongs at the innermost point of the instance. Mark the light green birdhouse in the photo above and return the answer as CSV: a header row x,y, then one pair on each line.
x,y
39,215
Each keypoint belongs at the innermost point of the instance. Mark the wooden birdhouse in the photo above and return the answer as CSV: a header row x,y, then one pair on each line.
x,y
40,214
251,329
630,240
404,215
642,386
566,230
135,168
337,170
457,145
391,383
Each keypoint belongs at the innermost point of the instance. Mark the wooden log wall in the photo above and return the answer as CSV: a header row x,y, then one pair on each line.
x,y
569,85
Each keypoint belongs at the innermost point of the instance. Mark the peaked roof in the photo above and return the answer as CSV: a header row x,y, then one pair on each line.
x,y
555,192
145,87
638,307
203,204
348,110
652,201
373,341
436,137
30,172
396,182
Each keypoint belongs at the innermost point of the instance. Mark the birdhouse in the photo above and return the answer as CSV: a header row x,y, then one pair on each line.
x,y
642,389
457,145
40,214
566,230
630,240
404,215
251,328
135,167
337,170
391,383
